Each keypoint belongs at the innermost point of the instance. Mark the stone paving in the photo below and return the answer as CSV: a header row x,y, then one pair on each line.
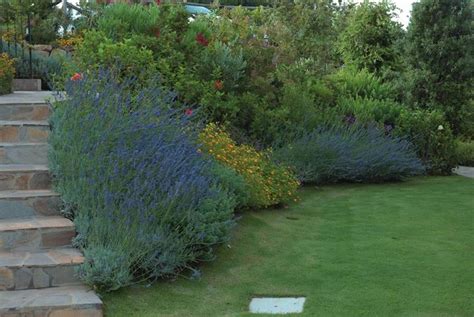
x,y
51,302
27,98
465,171
37,261
24,177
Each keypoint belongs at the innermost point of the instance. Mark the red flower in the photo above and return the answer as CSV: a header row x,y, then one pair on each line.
x,y
76,77
201,39
157,33
188,112
158,2
218,84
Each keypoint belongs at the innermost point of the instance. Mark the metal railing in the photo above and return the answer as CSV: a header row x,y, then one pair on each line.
x,y
16,39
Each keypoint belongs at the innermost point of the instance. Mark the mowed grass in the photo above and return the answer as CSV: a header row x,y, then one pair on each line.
x,y
400,249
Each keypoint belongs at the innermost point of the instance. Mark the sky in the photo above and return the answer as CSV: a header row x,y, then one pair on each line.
x,y
405,7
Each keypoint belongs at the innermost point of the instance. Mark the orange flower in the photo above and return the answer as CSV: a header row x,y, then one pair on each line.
x,y
218,84
76,77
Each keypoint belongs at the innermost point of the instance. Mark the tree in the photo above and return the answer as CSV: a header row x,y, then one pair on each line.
x,y
440,51
369,38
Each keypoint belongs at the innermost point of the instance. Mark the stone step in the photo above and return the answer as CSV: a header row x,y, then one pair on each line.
x,y
24,131
24,153
47,268
34,234
66,301
25,111
23,177
29,203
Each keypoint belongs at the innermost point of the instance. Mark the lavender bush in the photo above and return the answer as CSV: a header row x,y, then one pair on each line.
x,y
349,153
145,202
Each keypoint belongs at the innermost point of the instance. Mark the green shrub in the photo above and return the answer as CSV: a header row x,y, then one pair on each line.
x,y
432,137
368,40
465,153
371,110
121,20
123,59
440,52
7,71
349,82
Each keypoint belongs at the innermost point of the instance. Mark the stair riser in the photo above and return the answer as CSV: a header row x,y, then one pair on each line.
x,y
24,112
25,133
25,180
28,207
37,277
24,154
63,312
36,239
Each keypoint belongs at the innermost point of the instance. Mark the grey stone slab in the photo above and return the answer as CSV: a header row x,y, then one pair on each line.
x,y
7,280
40,278
277,305
23,278
27,97
27,84
35,234
76,297
24,123
53,257
24,179
25,112
24,153
26,193
62,275
28,203
22,168
465,171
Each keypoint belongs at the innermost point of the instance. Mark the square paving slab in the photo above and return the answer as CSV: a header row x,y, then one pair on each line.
x,y
277,305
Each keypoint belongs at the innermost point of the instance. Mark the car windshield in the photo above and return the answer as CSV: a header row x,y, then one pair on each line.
x,y
197,9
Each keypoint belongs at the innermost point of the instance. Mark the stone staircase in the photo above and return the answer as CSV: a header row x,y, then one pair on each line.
x,y
37,260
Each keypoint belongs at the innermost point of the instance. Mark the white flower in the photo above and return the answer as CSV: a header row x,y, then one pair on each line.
x,y
440,128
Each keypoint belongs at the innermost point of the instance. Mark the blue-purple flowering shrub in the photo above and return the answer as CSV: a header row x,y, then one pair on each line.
x,y
350,153
145,202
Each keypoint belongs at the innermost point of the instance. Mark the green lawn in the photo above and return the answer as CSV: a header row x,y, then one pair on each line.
x,y
402,249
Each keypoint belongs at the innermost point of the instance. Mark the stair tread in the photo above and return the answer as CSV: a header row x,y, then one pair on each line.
x,y
41,258
5,144
22,167
27,98
50,222
49,298
27,193
24,123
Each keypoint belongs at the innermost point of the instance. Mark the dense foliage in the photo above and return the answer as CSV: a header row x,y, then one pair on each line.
x,y
368,40
145,202
48,69
321,87
267,183
349,154
440,47
45,18
465,153
7,71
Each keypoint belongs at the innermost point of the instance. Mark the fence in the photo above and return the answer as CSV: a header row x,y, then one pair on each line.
x,y
16,38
